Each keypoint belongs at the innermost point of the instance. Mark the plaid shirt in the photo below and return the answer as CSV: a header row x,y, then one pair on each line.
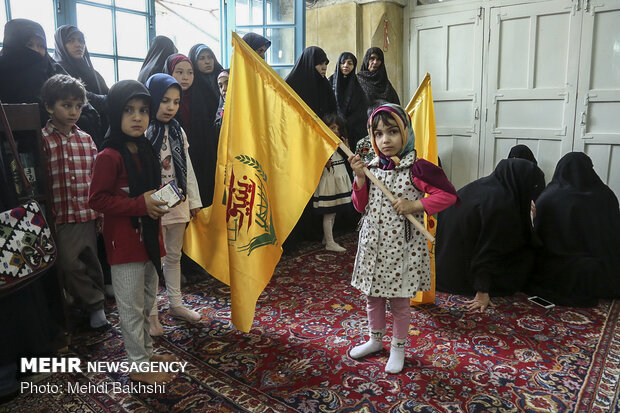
x,y
69,166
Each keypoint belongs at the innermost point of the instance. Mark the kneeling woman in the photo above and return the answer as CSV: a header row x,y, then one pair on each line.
x,y
578,222
484,245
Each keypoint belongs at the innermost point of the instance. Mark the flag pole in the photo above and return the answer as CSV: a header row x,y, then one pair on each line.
x,y
420,227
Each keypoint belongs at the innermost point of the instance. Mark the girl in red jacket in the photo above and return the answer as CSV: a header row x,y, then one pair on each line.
x,y
125,174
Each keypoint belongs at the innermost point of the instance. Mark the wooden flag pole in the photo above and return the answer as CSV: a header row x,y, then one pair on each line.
x,y
420,227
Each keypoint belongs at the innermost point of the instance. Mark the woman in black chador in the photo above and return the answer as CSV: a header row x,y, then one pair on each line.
x,y
205,98
31,315
206,71
350,98
308,79
160,49
71,53
578,223
374,79
484,245
257,42
24,62
523,152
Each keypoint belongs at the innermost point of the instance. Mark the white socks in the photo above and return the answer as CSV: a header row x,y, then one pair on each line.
x,y
97,318
369,347
328,225
373,345
396,362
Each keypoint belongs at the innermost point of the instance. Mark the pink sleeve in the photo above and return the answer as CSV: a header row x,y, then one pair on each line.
x,y
437,201
359,196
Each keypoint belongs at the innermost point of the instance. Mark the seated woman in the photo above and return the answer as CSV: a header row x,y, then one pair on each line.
x,y
578,223
484,245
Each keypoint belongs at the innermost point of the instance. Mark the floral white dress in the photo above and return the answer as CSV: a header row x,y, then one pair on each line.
x,y
388,264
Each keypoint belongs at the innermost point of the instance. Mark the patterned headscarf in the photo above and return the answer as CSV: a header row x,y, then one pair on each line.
x,y
403,121
158,85
174,60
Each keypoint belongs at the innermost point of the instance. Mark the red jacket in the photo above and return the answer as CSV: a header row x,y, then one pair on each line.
x,y
109,194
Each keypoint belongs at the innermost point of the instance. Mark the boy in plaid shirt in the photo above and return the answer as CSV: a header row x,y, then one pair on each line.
x,y
70,155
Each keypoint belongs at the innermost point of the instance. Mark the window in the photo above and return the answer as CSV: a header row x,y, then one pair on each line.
x,y
281,21
41,11
117,35
188,22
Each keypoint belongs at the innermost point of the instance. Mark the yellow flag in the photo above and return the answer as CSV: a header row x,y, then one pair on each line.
x,y
271,153
422,113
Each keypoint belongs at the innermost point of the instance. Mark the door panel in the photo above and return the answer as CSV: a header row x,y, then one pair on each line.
x,y
449,47
597,123
532,77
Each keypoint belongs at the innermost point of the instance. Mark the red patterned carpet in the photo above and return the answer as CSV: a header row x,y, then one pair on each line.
x,y
516,357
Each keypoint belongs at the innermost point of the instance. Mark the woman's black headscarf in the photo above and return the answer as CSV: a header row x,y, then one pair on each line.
x,y
22,70
160,49
523,152
578,225
143,178
78,68
311,87
376,84
484,244
351,100
207,82
256,41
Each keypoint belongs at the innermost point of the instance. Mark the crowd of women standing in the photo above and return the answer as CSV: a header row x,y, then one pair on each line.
x,y
25,65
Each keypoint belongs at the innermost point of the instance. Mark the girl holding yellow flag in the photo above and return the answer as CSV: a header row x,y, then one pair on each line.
x,y
392,258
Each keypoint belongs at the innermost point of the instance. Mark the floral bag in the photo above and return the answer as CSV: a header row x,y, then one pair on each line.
x,y
27,249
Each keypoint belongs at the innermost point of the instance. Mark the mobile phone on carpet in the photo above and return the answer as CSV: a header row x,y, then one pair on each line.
x,y
541,302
